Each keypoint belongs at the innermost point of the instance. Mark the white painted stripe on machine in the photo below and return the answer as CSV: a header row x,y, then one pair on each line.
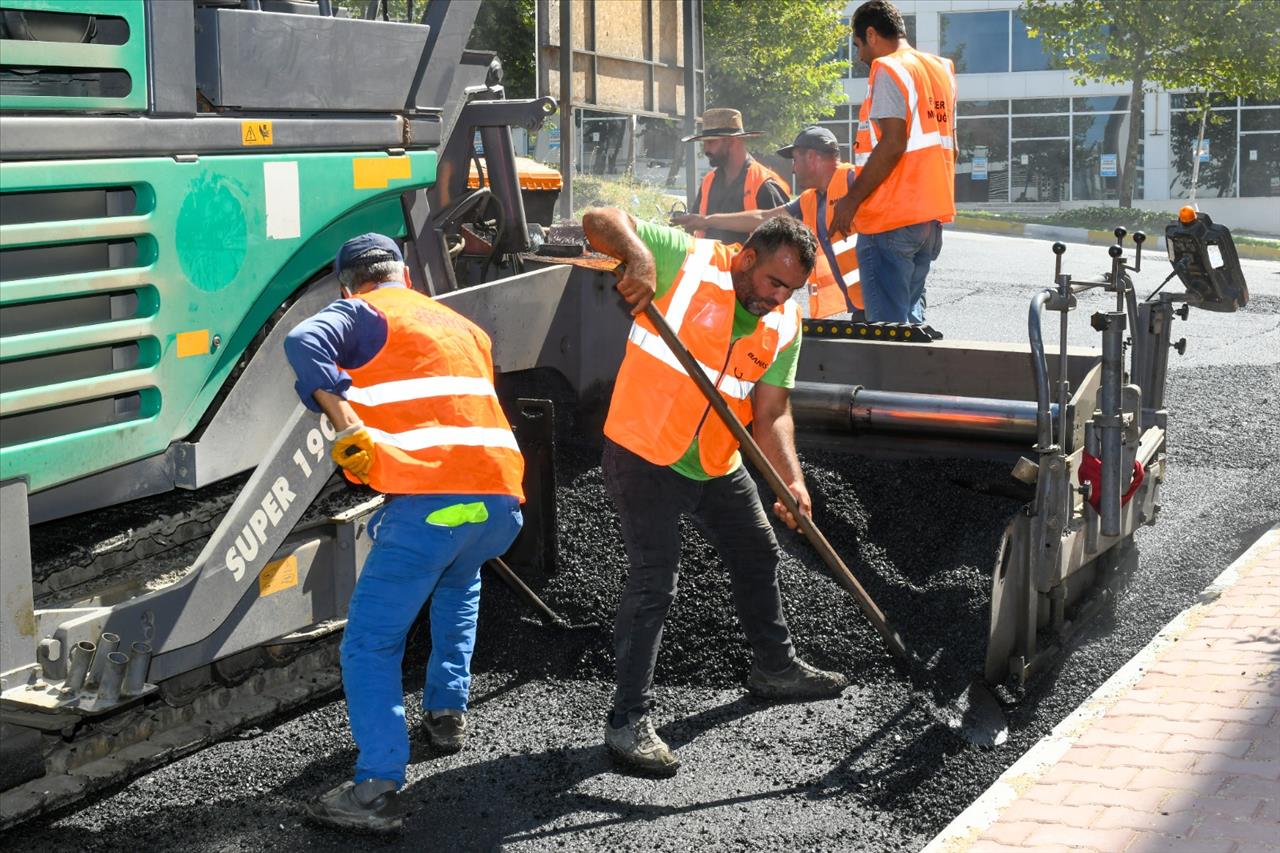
x,y
280,195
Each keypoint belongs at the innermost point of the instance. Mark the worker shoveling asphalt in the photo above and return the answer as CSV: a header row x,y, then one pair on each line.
x,y
975,714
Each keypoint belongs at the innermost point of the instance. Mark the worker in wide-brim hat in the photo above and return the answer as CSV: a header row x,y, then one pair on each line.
x,y
737,181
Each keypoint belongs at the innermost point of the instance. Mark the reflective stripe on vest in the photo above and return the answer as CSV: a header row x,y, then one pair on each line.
x,y
657,411
757,174
428,401
829,293
921,187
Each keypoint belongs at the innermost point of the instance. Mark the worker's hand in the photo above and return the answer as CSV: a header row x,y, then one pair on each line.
x,y
801,494
353,449
842,219
689,222
638,284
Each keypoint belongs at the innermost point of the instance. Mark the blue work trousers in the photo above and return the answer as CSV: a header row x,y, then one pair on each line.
x,y
892,266
413,560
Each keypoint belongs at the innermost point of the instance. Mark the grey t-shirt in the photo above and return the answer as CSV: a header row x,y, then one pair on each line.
x,y
886,98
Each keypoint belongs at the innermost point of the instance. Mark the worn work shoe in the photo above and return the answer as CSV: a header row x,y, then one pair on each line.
x,y
372,806
447,730
798,681
638,745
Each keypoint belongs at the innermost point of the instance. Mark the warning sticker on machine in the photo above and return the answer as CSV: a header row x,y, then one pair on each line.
x,y
256,133
278,576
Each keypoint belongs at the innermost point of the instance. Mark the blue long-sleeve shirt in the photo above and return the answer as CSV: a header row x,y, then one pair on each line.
x,y
348,332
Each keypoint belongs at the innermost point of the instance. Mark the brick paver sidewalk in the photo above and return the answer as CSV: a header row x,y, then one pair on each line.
x,y
1178,751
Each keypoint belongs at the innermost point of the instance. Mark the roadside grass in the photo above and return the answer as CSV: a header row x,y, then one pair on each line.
x,y
1104,219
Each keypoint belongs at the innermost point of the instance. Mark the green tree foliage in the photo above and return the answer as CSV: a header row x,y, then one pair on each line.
x,y
775,61
505,27
1229,47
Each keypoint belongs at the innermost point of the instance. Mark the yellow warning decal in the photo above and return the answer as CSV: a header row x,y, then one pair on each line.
x,y
193,343
278,576
373,173
256,133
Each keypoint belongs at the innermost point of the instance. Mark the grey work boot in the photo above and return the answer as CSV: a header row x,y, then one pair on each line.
x,y
798,681
447,730
372,806
638,745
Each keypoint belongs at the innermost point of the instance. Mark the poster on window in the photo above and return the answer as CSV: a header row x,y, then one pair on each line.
x,y
1204,151
1108,165
979,172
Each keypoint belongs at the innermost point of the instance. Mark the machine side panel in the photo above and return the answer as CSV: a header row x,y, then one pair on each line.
x,y
118,328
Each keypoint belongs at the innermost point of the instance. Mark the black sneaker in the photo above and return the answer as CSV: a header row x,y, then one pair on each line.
x,y
447,730
798,681
638,745
371,806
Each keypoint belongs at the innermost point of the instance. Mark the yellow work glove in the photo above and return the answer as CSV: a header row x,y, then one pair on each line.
x,y
353,449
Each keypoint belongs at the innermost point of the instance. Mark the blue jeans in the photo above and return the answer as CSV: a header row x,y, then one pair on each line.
x,y
893,266
413,560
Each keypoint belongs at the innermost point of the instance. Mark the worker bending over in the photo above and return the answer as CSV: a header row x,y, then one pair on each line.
x,y
905,154
737,181
409,385
666,455
823,180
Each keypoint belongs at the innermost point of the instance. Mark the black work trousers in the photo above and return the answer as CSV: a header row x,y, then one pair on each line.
x,y
650,500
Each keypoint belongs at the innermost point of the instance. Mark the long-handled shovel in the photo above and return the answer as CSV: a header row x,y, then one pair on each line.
x,y
975,713
520,588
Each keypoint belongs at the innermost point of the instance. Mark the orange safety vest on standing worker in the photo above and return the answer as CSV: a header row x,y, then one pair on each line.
x,y
829,294
428,401
921,187
657,410
757,174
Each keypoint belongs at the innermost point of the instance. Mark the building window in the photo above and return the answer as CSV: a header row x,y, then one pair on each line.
x,y
982,163
1028,54
1043,150
1099,145
978,42
1217,153
859,71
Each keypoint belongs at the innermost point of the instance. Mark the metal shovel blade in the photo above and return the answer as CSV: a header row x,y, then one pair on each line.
x,y
977,716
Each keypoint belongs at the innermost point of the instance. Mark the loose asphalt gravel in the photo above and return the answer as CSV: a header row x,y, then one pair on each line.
x,y
871,770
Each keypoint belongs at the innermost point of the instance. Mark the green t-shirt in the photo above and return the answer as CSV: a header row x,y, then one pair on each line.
x,y
670,246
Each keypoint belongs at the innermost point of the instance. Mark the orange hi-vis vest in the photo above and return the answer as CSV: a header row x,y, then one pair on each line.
x,y
657,410
757,174
830,293
428,401
921,187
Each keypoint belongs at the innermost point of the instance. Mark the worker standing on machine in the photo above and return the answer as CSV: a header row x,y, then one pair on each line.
x,y
408,384
737,181
823,180
905,153
666,456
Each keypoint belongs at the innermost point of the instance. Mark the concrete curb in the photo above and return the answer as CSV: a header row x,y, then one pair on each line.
x,y
1083,235
962,832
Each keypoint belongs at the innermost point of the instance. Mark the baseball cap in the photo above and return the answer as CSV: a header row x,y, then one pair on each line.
x,y
813,138
368,248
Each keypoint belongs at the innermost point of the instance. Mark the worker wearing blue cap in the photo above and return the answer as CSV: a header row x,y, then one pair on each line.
x,y
408,384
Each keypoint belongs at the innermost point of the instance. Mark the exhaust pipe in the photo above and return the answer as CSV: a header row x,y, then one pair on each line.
x,y
78,666
135,674
112,677
107,644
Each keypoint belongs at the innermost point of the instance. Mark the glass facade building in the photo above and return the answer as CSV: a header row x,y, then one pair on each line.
x,y
1028,132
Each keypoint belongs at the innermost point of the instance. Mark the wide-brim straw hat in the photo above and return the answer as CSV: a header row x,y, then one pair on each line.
x,y
720,123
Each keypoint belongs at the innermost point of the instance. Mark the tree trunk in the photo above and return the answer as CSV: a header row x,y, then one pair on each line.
x,y
1195,152
1129,177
